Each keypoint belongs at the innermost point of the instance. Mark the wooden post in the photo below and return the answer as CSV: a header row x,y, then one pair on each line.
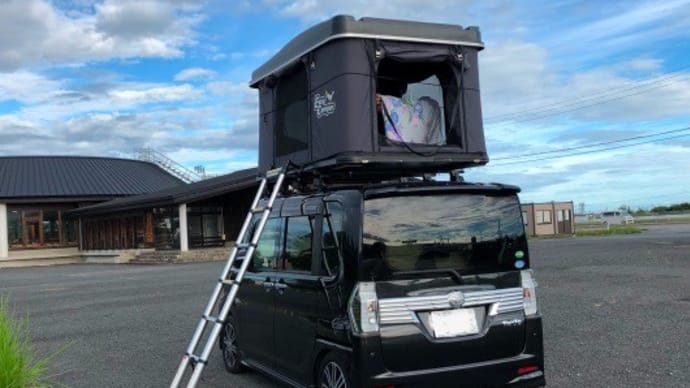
x,y
25,232
60,228
148,228
40,228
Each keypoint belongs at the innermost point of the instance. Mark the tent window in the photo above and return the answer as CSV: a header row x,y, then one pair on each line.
x,y
415,101
292,113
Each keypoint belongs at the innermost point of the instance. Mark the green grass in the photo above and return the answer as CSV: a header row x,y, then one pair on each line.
x,y
18,366
614,229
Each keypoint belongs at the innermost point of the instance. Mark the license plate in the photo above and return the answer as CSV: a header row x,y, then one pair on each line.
x,y
453,323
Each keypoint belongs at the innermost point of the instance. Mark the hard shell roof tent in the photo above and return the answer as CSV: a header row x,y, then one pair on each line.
x,y
373,96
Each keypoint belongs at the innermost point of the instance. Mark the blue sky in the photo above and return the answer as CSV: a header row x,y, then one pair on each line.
x,y
106,77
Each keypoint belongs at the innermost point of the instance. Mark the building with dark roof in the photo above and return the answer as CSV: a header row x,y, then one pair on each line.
x,y
203,214
38,192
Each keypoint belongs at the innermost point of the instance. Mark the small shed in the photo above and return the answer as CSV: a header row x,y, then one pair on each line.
x,y
387,95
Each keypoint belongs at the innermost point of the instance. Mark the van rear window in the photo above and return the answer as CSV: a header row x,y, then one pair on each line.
x,y
468,233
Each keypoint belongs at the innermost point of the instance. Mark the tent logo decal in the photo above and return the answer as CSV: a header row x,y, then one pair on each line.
x,y
324,104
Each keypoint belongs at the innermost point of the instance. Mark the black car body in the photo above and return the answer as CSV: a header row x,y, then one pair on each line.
x,y
416,284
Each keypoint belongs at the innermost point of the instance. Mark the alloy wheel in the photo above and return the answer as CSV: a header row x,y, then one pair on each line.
x,y
332,376
230,350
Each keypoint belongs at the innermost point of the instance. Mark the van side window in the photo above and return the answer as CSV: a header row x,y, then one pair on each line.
x,y
267,247
334,219
298,243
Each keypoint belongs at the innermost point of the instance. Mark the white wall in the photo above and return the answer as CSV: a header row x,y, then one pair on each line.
x,y
4,232
184,240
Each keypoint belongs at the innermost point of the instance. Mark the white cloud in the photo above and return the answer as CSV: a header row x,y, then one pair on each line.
x,y
37,32
600,180
644,64
311,10
255,54
54,102
26,86
520,84
649,19
227,88
128,19
195,73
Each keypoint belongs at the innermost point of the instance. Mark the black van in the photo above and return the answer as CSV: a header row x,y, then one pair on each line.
x,y
407,284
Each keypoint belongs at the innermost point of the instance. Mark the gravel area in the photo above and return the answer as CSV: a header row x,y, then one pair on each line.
x,y
616,314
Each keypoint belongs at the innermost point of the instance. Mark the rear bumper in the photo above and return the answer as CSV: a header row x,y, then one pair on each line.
x,y
496,373
370,370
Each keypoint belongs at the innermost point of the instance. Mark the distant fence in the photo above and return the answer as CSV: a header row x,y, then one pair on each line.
x,y
679,218
667,218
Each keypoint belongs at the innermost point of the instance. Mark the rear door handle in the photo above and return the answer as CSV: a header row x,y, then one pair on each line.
x,y
281,286
268,286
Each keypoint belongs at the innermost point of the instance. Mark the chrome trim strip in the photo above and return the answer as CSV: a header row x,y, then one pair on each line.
x,y
528,376
334,345
363,36
270,371
403,310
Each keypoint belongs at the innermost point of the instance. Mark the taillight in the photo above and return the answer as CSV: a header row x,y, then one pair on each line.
x,y
363,309
529,291
527,369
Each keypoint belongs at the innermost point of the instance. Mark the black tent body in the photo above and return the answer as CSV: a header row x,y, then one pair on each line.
x,y
373,95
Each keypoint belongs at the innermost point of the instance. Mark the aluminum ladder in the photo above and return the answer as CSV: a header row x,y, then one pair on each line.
x,y
198,361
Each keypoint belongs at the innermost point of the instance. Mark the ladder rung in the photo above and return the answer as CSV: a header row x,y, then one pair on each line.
x,y
211,318
228,282
194,359
273,173
245,245
260,209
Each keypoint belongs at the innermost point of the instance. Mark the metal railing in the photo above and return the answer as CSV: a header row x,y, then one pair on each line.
x,y
187,175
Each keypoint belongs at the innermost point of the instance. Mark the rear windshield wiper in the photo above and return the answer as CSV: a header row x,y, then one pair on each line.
x,y
421,272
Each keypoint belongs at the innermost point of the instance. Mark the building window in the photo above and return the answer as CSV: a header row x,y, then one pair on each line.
x,y
39,226
292,112
205,226
525,219
166,228
543,217
51,226
14,227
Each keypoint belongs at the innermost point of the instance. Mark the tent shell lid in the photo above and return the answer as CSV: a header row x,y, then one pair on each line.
x,y
344,26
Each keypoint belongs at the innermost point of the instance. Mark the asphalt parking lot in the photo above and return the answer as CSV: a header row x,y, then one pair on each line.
x,y
616,314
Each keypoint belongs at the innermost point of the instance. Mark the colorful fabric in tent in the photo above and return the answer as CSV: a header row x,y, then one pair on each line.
x,y
409,121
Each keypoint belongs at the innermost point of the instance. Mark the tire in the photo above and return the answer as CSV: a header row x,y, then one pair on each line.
x,y
334,372
228,346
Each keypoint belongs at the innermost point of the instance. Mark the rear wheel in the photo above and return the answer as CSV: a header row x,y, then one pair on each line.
x,y
228,345
333,372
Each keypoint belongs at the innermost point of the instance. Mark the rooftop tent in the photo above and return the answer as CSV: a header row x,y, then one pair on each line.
x,y
388,95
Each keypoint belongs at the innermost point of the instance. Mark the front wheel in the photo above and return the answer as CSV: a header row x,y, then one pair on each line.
x,y
231,352
333,372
